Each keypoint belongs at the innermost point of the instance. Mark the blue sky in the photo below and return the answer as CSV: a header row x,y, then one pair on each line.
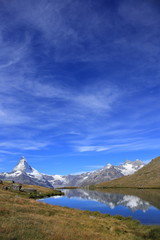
x,y
79,83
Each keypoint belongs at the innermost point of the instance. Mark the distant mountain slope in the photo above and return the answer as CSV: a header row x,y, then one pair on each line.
x,y
25,174
147,177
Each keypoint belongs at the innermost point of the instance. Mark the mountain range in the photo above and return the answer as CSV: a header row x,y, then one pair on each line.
x,y
26,174
147,177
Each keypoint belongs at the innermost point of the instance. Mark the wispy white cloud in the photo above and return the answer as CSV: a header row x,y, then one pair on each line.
x,y
42,99
118,143
24,144
12,117
92,149
9,152
96,98
12,52
66,27
133,12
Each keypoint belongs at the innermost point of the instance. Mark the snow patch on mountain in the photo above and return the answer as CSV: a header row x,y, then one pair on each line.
x,y
108,166
129,167
58,177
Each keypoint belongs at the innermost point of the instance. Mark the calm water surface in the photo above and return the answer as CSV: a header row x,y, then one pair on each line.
x,y
142,205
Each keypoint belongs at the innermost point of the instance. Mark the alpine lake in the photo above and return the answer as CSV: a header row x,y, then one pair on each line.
x,y
140,204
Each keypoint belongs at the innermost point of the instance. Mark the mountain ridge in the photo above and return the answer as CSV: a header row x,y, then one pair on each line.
x,y
147,177
24,173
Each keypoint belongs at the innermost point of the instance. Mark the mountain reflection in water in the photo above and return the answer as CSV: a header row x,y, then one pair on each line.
x,y
110,199
140,204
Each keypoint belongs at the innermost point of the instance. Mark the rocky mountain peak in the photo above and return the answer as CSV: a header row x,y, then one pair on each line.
x,y
138,162
23,166
129,167
108,166
127,162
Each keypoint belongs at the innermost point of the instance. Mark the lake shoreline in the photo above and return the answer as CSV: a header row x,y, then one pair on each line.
x,y
141,204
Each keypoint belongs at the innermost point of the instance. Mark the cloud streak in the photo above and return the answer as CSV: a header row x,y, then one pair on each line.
x,y
92,149
26,145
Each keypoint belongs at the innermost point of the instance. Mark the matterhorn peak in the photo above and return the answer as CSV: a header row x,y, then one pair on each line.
x,y
23,166
108,166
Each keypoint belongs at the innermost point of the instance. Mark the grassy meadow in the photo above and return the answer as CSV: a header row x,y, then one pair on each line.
x,y
22,218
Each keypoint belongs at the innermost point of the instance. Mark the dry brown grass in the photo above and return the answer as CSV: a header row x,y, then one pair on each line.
x,y
27,219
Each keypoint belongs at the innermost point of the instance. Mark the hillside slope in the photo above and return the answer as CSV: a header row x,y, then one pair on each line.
x,y
146,177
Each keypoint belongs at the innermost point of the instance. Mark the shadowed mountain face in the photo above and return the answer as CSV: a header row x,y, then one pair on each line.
x,y
147,177
24,173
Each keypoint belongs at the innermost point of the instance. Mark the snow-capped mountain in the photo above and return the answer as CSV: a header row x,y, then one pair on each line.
x,y
106,173
129,167
110,172
24,173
